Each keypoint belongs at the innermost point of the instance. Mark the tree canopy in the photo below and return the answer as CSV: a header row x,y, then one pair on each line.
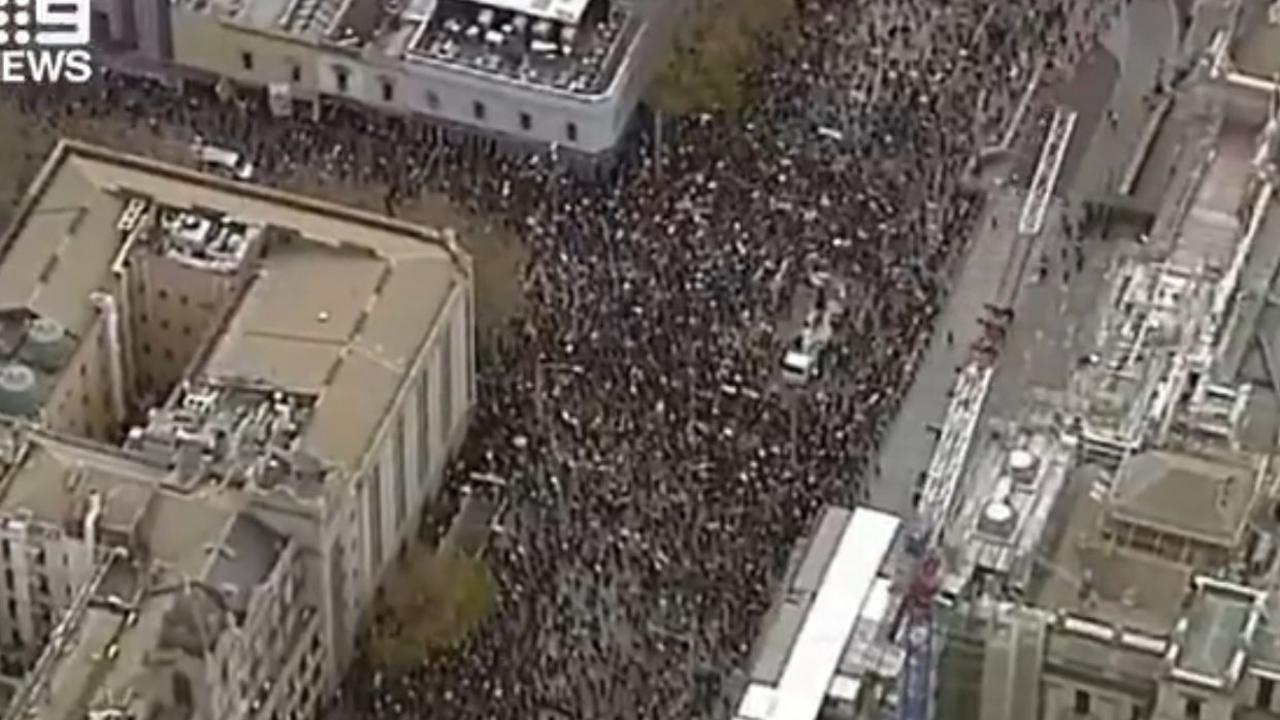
x,y
706,68
430,603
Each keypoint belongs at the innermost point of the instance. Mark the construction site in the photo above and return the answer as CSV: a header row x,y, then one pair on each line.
x,y
1109,549
1095,532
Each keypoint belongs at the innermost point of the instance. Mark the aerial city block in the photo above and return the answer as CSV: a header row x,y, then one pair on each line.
x,y
639,360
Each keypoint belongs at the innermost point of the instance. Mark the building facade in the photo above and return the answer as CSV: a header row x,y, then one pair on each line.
x,y
221,423
566,75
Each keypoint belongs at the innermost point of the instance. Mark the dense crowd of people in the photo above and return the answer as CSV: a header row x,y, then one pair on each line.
x,y
658,471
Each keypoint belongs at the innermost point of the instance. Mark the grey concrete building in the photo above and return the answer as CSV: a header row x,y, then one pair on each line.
x,y
565,74
224,409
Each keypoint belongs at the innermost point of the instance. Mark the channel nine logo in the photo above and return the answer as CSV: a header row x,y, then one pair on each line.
x,y
44,42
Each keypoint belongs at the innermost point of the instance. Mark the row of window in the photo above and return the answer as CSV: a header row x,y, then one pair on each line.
x,y
300,691
35,552
41,584
43,617
1193,708
341,78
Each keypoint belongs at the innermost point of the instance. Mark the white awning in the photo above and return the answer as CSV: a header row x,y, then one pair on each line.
x,y
569,12
847,584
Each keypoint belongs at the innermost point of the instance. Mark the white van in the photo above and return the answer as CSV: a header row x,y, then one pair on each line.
x,y
798,367
222,161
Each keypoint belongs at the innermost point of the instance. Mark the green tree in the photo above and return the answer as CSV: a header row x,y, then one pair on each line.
x,y
706,68
430,602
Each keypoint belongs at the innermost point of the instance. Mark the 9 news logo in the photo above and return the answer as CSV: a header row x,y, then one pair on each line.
x,y
44,42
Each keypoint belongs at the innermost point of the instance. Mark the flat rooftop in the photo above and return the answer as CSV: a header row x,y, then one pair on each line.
x,y
565,11
1123,587
56,478
1257,51
581,56
1214,625
1003,517
41,286
337,309
566,46
339,322
1203,496
1216,631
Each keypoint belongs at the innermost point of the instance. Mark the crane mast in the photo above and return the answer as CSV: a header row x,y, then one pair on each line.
x,y
917,682
941,488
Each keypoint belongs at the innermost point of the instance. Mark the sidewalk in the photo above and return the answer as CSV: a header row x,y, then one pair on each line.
x,y
908,446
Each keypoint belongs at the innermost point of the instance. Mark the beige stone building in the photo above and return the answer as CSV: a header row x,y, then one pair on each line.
x,y
224,408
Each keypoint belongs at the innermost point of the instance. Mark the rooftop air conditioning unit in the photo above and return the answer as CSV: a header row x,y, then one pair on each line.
x,y
19,390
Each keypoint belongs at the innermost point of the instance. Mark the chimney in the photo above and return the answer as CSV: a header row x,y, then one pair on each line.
x,y
91,523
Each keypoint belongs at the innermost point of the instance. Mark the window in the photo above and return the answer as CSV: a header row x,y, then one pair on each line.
x,y
402,471
183,300
295,72
1193,708
424,428
445,408
1082,702
571,132
340,77
526,121
1266,689
433,100
246,60
388,91
477,109
162,294
8,578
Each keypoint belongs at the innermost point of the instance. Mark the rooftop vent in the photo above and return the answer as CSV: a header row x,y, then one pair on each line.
x,y
998,519
47,345
18,390
1022,466
132,215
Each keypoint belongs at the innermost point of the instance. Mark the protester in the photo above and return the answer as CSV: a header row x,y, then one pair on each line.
x,y
657,470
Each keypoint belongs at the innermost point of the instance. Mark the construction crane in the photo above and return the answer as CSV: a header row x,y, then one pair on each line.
x,y
916,692
942,487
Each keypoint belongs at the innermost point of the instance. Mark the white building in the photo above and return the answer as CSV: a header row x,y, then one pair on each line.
x,y
567,73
